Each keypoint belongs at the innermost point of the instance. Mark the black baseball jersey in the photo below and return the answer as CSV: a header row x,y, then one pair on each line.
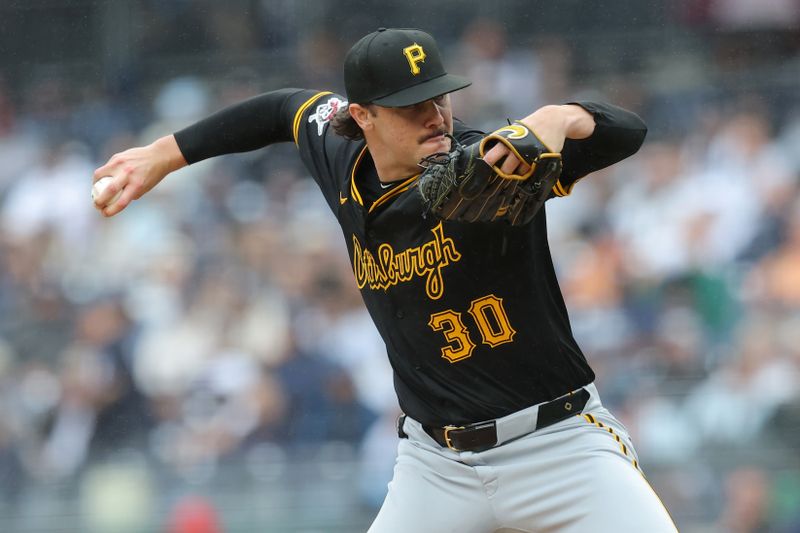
x,y
472,315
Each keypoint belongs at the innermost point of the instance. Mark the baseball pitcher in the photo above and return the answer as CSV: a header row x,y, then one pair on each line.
x,y
503,428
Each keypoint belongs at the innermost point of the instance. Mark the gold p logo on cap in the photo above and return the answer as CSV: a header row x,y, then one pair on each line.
x,y
414,54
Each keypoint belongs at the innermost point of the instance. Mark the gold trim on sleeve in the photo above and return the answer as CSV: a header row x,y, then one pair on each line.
x,y
302,109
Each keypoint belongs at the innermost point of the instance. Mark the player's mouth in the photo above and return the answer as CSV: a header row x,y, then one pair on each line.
x,y
435,137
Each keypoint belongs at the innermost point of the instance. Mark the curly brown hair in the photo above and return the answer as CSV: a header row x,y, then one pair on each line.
x,y
346,126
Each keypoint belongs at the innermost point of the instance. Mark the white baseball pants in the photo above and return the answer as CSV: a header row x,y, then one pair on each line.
x,y
580,475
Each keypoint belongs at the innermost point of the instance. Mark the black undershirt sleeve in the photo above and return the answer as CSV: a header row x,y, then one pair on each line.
x,y
242,127
618,134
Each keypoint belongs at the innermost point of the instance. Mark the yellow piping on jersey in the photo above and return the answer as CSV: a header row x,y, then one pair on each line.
x,y
353,189
302,109
559,189
394,192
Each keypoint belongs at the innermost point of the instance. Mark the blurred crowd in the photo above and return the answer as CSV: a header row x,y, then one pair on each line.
x,y
217,317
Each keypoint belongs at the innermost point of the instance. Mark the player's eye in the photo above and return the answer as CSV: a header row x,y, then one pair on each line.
x,y
439,100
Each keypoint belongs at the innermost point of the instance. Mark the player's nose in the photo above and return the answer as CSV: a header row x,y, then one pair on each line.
x,y
433,115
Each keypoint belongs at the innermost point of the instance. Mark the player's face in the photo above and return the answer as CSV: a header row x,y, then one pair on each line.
x,y
413,132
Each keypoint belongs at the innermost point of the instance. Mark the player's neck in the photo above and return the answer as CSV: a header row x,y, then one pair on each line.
x,y
389,169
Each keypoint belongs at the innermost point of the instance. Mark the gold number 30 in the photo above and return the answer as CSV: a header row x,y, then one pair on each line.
x,y
492,322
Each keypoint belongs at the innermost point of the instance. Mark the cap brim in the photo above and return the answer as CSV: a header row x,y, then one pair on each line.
x,y
424,91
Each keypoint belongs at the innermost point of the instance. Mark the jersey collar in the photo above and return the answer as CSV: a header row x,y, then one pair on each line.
x,y
394,191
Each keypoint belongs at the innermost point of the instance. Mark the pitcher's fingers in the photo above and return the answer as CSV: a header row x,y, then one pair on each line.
x,y
106,170
495,154
127,196
109,192
511,164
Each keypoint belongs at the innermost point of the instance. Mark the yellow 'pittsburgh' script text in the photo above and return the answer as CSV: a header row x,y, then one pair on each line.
x,y
390,268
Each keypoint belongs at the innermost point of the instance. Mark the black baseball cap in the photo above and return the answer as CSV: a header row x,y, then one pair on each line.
x,y
395,67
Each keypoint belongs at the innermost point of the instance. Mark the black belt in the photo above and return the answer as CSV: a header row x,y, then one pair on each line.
x,y
483,435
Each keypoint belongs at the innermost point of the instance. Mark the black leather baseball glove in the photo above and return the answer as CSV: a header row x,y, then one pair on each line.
x,y
461,186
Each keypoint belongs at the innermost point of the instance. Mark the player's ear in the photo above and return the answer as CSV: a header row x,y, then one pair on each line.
x,y
362,115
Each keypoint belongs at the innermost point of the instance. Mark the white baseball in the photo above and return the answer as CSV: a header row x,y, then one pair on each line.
x,y
100,185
